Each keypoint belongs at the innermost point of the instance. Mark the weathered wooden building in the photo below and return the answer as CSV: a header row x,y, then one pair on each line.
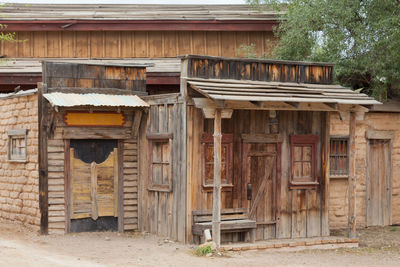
x,y
127,32
274,136
281,122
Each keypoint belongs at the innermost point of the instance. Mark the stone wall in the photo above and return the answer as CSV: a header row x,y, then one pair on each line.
x,y
19,181
339,186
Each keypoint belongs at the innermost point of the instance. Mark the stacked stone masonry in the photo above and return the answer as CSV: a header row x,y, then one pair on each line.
x,y
19,181
338,201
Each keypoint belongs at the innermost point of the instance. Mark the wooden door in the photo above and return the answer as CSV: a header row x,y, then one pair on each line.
x,y
379,183
260,172
93,183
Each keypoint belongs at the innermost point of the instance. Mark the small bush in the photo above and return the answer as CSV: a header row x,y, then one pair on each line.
x,y
203,250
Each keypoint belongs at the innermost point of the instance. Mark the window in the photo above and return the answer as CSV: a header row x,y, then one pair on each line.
x,y
17,145
207,144
339,161
304,159
160,162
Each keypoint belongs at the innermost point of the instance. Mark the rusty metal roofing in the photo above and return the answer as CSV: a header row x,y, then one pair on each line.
x,y
54,12
244,90
96,100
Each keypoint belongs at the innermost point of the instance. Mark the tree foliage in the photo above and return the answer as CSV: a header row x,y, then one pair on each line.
x,y
361,36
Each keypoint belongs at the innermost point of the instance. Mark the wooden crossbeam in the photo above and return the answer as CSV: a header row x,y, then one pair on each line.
x,y
293,104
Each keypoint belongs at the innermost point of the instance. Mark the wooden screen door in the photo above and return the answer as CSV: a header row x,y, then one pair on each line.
x,y
379,194
93,185
260,172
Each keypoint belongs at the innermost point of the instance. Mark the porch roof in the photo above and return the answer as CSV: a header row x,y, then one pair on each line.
x,y
75,100
258,92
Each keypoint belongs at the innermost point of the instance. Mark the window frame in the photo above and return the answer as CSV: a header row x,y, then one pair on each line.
x,y
20,134
339,138
154,139
227,139
304,140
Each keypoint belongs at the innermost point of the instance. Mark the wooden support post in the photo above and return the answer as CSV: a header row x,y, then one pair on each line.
x,y
325,174
216,216
43,170
352,177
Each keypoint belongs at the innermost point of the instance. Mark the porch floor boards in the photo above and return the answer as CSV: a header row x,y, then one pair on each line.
x,y
328,242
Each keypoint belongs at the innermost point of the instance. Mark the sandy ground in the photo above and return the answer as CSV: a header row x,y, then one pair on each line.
x,y
21,246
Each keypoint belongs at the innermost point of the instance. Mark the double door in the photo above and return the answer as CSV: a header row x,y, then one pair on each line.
x,y
93,185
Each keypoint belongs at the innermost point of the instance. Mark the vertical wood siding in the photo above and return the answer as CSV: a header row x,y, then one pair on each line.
x,y
300,209
163,212
133,44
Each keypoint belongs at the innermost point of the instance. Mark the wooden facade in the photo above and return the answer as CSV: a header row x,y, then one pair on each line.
x,y
133,44
89,173
272,157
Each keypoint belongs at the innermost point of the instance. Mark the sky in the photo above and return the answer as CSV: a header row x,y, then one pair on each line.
x,y
209,2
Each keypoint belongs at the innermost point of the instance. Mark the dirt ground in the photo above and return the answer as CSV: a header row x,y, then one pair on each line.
x,y
21,246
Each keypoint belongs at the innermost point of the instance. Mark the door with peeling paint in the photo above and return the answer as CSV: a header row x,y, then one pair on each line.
x,y
93,185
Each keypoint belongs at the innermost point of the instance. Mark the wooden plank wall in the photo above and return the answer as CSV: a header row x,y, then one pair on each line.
x,y
116,44
130,184
259,70
94,76
56,186
57,160
163,212
300,208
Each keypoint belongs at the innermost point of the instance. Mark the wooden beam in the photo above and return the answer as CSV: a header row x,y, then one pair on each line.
x,y
216,216
293,104
43,163
352,177
257,103
141,25
377,134
209,113
136,122
332,105
325,174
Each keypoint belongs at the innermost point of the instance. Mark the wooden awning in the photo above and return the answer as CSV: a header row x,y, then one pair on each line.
x,y
242,94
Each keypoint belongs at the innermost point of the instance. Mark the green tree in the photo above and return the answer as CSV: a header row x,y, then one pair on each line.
x,y
361,36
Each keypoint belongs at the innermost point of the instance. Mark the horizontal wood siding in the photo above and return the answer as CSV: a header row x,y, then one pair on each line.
x,y
163,212
134,44
60,75
130,185
56,184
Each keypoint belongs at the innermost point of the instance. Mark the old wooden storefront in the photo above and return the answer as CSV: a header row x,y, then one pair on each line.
x,y
89,115
273,127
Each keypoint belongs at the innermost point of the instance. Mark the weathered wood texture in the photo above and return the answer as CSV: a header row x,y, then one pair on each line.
x,y
58,178
259,70
283,212
379,182
352,177
130,184
57,186
163,212
117,44
60,75
42,158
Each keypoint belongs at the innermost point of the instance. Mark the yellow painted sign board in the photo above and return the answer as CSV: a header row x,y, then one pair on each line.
x,y
94,119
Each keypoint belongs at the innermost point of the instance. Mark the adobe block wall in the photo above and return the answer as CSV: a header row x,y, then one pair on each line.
x,y
19,182
338,209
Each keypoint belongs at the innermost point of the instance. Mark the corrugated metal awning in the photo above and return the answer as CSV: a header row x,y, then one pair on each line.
x,y
96,100
243,90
